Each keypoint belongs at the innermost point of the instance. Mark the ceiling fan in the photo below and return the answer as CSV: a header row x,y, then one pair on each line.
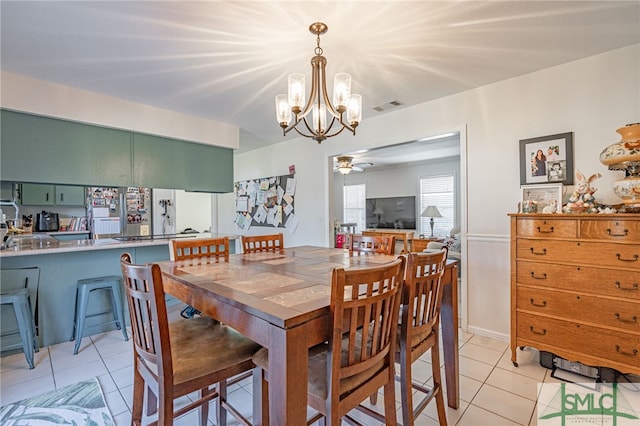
x,y
344,165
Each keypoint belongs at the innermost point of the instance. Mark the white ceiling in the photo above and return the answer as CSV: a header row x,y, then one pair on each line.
x,y
226,60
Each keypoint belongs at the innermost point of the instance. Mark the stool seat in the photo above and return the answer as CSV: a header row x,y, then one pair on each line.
x,y
19,299
83,290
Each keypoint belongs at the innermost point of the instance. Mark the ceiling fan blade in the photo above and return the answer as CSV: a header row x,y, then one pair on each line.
x,y
357,168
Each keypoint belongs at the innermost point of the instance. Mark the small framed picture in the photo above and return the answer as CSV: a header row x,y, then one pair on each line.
x,y
547,159
541,198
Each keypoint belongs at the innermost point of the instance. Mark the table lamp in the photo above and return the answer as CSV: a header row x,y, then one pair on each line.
x,y
431,211
378,211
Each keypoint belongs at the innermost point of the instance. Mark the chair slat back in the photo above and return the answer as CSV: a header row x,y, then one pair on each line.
x,y
200,247
258,243
148,314
422,296
365,304
372,244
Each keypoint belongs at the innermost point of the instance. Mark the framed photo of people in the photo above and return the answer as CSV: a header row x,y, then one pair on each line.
x,y
547,159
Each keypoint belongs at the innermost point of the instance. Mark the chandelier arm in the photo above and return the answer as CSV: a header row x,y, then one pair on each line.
x,y
325,95
340,131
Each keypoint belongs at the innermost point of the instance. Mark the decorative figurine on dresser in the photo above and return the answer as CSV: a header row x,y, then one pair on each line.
x,y
582,199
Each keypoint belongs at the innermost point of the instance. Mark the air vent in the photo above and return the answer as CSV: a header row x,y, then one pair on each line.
x,y
387,106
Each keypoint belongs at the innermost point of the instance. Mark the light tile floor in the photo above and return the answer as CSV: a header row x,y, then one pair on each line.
x,y
493,392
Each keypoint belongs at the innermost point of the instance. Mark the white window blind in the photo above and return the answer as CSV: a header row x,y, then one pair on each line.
x,y
354,205
437,191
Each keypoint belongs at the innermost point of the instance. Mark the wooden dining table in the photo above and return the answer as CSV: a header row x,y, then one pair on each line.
x,y
281,301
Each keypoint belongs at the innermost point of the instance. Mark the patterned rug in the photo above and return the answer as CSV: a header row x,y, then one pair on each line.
x,y
79,404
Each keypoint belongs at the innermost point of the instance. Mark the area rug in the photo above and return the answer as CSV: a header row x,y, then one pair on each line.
x,y
79,404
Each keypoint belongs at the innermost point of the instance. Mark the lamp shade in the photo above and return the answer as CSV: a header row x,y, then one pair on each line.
x,y
378,210
431,211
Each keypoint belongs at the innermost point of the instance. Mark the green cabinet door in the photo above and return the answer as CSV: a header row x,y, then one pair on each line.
x,y
67,195
37,194
42,149
160,162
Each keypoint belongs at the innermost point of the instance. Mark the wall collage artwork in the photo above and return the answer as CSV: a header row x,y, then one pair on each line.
x,y
266,202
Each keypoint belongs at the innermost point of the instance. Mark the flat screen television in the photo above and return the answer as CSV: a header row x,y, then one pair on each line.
x,y
391,212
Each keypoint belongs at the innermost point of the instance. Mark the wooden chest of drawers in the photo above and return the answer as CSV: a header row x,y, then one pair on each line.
x,y
575,287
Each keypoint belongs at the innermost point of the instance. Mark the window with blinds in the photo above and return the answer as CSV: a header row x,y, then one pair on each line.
x,y
437,191
354,205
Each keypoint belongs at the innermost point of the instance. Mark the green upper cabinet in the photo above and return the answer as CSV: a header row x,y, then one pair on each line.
x,y
35,194
160,162
41,149
67,195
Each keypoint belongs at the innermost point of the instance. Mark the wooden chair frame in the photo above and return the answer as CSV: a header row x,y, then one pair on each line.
x,y
419,331
372,244
163,373
258,243
200,248
359,356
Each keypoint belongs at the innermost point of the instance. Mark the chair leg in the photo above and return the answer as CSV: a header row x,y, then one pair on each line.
x,y
118,311
204,408
437,383
24,320
138,395
260,398
165,407
406,388
81,313
389,402
221,412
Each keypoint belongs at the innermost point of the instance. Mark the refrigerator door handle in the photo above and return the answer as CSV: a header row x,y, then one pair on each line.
x,y
123,214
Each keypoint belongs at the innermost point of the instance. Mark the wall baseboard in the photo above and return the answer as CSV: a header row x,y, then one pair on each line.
x,y
488,333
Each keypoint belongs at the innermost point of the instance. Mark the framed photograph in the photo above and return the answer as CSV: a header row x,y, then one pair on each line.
x,y
536,197
547,159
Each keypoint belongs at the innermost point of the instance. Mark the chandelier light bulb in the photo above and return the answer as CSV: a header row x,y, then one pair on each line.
x,y
296,91
341,91
344,113
283,111
320,118
354,112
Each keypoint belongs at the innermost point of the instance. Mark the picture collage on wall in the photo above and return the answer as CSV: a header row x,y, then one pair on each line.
x,y
266,202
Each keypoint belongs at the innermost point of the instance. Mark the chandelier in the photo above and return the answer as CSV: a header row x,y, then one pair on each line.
x,y
346,110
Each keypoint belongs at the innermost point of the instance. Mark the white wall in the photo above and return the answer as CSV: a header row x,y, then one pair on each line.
x,y
193,210
591,97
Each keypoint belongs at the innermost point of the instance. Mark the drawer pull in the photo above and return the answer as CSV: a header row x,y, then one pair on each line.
x,y
541,333
634,286
610,232
620,258
540,305
632,353
539,277
632,320
539,253
545,231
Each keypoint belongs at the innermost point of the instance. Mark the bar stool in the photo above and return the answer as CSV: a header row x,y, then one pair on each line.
x,y
83,290
19,299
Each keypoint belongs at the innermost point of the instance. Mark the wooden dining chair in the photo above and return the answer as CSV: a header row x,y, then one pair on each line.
x,y
258,243
372,244
200,248
359,355
418,332
173,359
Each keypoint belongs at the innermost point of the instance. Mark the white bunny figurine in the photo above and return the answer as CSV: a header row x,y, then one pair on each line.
x,y
582,200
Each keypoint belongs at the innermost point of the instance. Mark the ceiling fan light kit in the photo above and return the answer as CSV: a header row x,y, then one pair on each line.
x,y
345,111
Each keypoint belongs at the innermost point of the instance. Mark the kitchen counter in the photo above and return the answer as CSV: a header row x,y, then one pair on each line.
x,y
63,263
37,244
